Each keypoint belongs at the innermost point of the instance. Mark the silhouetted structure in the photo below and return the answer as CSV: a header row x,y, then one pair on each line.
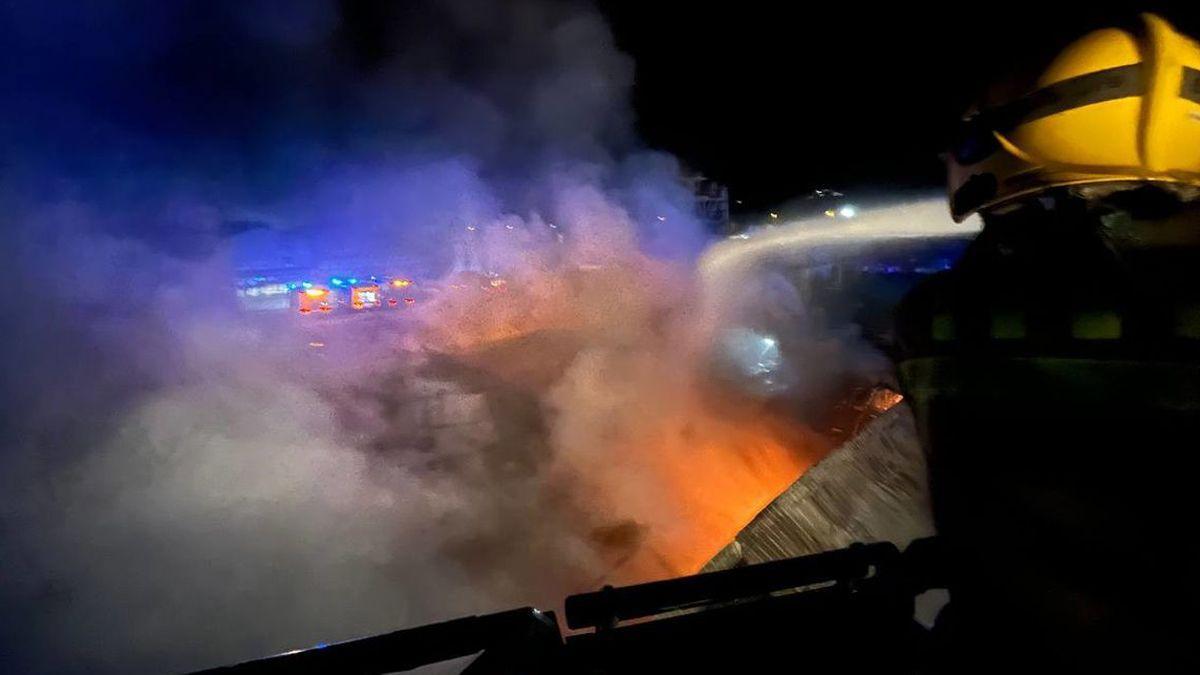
x,y
847,609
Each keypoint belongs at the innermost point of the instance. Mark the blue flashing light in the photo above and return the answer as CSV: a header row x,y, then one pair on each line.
x,y
306,284
353,280
335,281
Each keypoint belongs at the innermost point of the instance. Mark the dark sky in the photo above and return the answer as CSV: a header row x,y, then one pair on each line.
x,y
778,97
772,98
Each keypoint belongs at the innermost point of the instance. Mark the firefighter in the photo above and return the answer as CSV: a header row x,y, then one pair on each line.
x,y
1054,372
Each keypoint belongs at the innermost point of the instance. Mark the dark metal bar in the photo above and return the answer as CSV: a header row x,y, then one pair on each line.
x,y
528,641
526,628
602,609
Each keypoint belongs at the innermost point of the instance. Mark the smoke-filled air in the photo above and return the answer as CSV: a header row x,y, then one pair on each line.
x,y
184,483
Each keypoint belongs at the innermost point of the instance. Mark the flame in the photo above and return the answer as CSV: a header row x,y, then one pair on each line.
x,y
883,399
716,482
606,446
665,465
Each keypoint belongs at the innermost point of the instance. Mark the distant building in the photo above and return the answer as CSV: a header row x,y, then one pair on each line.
x,y
712,204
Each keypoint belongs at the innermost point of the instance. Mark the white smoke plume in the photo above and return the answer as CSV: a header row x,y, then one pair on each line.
x,y
182,485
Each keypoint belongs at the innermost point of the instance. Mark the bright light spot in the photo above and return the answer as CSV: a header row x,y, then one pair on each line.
x,y
306,284
661,218
316,344
847,211
830,213
756,358
508,227
401,283
335,281
774,216
471,228
315,292
553,226
353,280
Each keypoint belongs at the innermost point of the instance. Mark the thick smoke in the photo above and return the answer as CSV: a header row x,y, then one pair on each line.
x,y
183,485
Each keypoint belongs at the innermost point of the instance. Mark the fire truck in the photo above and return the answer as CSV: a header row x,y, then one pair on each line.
x,y
315,299
400,292
366,296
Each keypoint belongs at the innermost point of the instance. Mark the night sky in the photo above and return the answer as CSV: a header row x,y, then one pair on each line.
x,y
779,98
774,99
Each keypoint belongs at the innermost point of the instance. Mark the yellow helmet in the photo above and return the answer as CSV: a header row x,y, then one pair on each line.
x,y
1114,106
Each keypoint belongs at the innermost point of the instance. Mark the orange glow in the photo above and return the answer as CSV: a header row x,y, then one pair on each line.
x,y
883,399
325,308
315,292
665,465
712,469
401,283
